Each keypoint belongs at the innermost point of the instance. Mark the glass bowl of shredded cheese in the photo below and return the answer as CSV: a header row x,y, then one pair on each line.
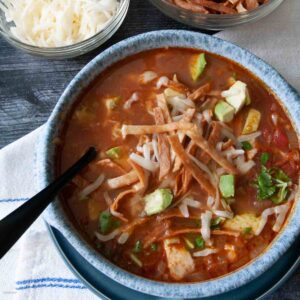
x,y
60,28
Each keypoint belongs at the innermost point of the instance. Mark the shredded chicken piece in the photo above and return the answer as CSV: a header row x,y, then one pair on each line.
x,y
197,173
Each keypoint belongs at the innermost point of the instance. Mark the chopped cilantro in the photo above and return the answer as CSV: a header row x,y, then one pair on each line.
x,y
153,247
264,158
137,247
215,223
272,184
199,242
247,146
247,230
105,222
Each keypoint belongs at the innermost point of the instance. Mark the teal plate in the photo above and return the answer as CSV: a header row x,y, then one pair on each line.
x,y
106,288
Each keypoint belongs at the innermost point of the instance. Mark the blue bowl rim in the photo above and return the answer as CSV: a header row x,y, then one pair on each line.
x,y
55,214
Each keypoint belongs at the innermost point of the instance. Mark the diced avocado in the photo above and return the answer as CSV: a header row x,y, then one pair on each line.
x,y
111,103
168,93
226,186
236,95
158,201
114,153
252,121
240,222
248,98
197,66
224,112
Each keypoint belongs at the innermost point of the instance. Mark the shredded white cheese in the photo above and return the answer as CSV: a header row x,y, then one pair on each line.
x,y
57,23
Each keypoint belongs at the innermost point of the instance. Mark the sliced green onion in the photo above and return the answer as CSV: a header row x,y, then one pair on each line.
x,y
114,153
264,158
199,242
153,247
136,260
215,223
247,230
247,146
137,247
188,243
105,222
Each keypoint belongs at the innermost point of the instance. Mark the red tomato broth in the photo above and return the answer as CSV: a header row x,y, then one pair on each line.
x,y
95,126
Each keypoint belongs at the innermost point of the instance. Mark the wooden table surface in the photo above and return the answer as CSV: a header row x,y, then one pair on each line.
x,y
30,87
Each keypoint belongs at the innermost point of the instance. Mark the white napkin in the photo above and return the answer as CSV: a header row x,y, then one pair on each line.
x,y
33,268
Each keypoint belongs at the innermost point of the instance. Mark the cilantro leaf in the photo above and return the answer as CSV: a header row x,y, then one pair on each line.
x,y
272,184
266,189
264,158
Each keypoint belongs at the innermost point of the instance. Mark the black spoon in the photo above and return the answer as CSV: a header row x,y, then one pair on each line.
x,y
16,223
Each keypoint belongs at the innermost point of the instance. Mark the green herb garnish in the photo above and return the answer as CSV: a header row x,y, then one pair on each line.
x,y
247,230
137,247
105,222
153,247
264,158
114,153
272,184
247,146
199,242
215,223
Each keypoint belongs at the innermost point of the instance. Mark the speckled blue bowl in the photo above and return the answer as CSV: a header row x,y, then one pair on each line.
x,y
56,216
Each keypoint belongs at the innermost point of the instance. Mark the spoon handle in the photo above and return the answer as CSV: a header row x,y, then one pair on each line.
x,y
16,223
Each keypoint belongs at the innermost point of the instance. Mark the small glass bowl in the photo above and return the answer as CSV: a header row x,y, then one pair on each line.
x,y
213,21
72,50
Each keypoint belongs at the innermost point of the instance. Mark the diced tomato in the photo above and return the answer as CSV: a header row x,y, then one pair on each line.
x,y
280,139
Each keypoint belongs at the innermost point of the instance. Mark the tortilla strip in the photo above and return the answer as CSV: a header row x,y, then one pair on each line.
x,y
213,139
191,6
197,173
162,103
200,92
150,129
157,233
107,162
178,86
174,213
173,233
143,176
115,205
131,226
165,162
187,117
219,7
121,181
211,151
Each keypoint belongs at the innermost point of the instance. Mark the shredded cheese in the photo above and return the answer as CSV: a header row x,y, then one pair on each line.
x,y
57,23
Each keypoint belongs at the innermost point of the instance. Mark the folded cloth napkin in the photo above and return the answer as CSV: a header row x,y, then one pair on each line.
x,y
39,271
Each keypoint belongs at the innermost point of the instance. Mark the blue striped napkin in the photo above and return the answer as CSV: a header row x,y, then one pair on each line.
x,y
33,268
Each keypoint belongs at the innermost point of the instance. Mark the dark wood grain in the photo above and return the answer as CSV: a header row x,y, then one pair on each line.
x,y
30,87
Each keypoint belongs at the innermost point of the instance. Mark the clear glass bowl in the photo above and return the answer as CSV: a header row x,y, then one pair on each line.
x,y
214,22
72,50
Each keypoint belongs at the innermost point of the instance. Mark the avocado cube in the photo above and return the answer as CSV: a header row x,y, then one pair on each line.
x,y
157,201
224,112
226,186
